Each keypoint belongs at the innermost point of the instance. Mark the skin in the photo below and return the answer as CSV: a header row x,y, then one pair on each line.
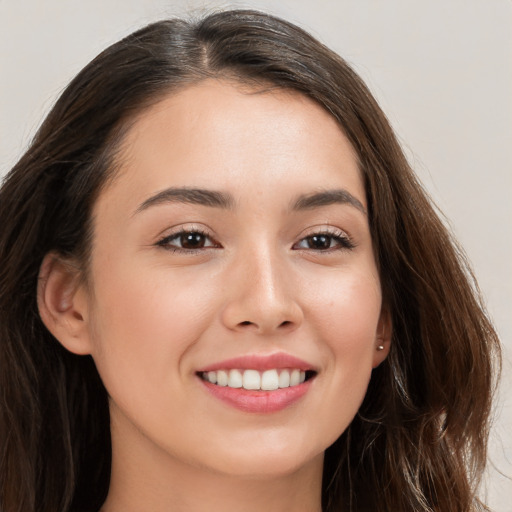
x,y
151,314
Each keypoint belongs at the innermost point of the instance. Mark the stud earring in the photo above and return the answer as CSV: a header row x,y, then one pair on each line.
x,y
380,347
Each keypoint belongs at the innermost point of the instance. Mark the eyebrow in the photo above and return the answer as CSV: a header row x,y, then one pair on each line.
x,y
326,198
189,195
215,199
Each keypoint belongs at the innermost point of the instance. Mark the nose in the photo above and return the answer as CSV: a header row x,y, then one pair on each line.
x,y
261,295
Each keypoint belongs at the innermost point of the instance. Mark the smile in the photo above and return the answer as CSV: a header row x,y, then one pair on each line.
x,y
259,383
268,380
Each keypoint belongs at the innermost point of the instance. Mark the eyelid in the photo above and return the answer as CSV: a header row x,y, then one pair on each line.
x,y
346,241
164,240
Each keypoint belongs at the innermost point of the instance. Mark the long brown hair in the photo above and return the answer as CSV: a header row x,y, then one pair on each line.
x,y
419,440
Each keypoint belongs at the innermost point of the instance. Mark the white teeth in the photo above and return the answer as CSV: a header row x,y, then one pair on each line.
x,y
222,378
284,379
251,379
235,379
294,377
268,380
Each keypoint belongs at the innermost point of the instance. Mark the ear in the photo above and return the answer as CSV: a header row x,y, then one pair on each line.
x,y
383,337
62,303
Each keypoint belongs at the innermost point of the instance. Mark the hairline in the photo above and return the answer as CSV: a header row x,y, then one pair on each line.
x,y
114,154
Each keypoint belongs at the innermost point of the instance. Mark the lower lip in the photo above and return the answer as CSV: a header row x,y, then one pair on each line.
x,y
258,401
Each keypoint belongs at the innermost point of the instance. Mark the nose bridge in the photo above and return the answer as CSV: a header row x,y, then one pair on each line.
x,y
261,294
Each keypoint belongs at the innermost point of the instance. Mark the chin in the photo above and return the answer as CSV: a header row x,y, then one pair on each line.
x,y
261,463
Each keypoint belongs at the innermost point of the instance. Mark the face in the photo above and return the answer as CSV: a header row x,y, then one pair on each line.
x,y
233,249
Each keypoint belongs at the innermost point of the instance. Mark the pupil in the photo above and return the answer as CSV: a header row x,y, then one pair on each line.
x,y
319,242
192,240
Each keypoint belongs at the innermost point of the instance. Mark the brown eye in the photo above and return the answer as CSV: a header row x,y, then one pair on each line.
x,y
319,242
192,240
187,241
325,242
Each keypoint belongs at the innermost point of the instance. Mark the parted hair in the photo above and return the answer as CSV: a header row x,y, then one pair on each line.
x,y
418,442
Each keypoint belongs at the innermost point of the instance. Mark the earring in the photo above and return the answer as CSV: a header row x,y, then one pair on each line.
x,y
380,347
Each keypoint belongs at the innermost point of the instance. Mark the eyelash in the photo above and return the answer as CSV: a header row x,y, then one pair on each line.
x,y
340,238
166,241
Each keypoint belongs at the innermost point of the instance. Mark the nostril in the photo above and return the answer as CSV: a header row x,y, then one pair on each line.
x,y
264,326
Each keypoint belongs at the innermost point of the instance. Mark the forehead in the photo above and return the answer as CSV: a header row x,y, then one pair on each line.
x,y
219,134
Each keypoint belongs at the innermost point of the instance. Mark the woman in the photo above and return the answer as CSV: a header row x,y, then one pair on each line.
x,y
223,288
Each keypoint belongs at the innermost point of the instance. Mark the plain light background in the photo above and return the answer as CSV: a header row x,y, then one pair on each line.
x,y
441,70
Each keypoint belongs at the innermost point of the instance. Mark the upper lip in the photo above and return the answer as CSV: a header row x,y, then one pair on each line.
x,y
260,362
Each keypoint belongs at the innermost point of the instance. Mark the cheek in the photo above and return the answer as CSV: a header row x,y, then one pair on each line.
x,y
143,323
346,314
346,308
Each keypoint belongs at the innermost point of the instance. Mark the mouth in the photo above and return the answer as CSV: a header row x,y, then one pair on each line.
x,y
255,380
259,383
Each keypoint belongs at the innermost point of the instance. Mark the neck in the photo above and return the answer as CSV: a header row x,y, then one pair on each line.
x,y
145,477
